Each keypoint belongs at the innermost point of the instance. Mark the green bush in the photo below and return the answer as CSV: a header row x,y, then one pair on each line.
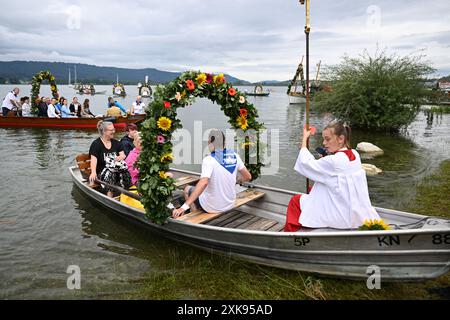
x,y
381,92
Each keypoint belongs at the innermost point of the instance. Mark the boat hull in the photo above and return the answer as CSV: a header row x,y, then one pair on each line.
x,y
265,94
296,99
66,123
413,254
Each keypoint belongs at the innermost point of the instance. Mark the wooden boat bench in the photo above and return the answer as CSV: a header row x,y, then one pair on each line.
x,y
201,217
84,164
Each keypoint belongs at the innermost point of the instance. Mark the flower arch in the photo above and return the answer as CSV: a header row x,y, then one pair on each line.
x,y
36,88
156,155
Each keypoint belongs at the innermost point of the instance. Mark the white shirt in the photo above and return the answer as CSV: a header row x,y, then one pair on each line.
x,y
26,110
138,108
51,112
340,197
220,193
7,101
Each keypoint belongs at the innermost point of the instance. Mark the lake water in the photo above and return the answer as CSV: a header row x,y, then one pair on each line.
x,y
47,224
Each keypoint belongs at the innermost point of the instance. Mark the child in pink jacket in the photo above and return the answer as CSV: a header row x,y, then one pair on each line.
x,y
131,160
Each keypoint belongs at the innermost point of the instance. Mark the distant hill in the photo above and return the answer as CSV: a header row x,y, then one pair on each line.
x,y
23,71
273,83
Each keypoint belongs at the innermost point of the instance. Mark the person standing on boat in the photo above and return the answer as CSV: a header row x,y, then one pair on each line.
x,y
340,197
138,106
10,102
127,140
107,159
216,191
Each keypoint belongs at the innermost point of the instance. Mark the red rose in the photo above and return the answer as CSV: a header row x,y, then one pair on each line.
x,y
209,78
190,85
243,112
232,92
166,104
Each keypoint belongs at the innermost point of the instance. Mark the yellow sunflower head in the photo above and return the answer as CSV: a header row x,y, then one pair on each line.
x,y
219,79
167,157
201,79
164,123
242,122
374,224
162,174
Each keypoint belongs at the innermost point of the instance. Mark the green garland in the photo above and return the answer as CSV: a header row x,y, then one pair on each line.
x,y
36,88
156,155
119,85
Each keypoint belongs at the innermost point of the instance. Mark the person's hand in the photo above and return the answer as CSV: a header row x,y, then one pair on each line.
x,y
177,212
310,132
92,178
307,134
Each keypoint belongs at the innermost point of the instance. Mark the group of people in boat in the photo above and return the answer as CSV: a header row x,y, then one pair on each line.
x,y
338,199
60,108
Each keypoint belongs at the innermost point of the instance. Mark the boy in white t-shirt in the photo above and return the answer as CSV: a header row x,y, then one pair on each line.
x,y
215,192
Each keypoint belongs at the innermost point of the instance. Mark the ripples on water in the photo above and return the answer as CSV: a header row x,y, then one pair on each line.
x,y
47,224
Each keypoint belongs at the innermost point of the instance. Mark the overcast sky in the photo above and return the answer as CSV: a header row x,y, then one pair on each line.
x,y
249,39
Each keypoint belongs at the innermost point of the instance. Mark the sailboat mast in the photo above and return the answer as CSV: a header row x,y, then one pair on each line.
x,y
69,76
75,67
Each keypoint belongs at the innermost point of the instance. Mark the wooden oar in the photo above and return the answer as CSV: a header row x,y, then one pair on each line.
x,y
128,193
120,189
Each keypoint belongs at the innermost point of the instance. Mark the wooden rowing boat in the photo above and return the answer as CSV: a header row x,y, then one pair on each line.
x,y
67,123
417,248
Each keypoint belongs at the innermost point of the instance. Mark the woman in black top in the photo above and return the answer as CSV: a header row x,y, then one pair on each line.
x,y
107,159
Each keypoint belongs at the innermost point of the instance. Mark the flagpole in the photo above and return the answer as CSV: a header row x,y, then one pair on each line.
x,y
307,31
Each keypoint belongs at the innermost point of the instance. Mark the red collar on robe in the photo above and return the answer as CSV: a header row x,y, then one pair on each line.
x,y
349,154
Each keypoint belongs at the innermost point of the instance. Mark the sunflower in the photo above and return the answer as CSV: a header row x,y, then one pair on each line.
x,y
164,123
374,225
167,157
201,79
242,122
162,175
219,79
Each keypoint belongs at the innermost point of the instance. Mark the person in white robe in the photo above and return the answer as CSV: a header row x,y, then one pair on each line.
x,y
339,198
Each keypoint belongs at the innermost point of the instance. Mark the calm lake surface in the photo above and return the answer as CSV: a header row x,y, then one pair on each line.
x,y
46,224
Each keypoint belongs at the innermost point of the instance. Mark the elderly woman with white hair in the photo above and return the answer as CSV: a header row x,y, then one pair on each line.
x,y
107,159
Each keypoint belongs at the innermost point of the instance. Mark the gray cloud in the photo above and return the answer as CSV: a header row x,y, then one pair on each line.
x,y
251,39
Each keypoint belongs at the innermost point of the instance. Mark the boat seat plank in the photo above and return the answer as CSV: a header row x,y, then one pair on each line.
x,y
242,198
186,180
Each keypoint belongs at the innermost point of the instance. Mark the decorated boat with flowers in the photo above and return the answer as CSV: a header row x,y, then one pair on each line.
x,y
258,91
67,123
413,247
145,90
416,248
